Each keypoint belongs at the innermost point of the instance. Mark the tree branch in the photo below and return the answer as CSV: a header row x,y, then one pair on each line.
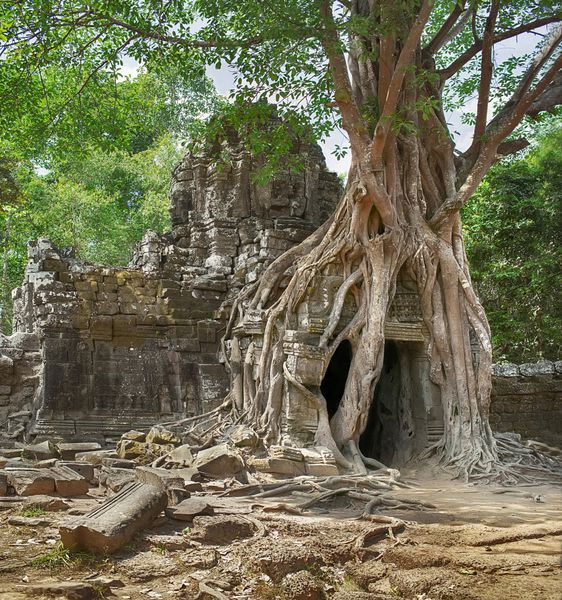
x,y
471,52
486,73
388,106
442,35
352,120
498,129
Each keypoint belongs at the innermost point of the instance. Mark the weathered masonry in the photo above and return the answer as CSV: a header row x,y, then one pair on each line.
x,y
100,350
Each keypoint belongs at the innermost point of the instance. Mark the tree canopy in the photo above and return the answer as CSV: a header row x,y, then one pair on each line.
x,y
513,244
385,72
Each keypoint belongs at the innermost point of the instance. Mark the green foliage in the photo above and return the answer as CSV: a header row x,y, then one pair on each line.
x,y
512,228
61,558
100,205
32,511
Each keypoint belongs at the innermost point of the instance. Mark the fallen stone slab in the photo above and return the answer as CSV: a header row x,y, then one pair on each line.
x,y
11,452
30,482
42,451
68,450
244,437
84,469
219,461
69,483
47,503
219,530
115,479
159,477
160,435
73,590
181,456
119,463
189,509
29,521
137,436
116,521
176,495
95,457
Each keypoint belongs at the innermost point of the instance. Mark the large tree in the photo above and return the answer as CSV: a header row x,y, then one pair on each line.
x,y
382,69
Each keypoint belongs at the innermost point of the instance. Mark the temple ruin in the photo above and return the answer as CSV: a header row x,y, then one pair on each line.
x,y
99,350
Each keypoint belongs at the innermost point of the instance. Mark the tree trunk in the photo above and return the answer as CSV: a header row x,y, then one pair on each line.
x,y
399,215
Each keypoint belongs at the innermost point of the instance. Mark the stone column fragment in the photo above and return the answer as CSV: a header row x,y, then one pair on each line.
x,y
116,521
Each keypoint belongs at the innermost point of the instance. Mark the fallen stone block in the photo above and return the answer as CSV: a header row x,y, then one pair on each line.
x,y
84,469
3,484
95,458
244,437
73,590
47,503
181,456
142,451
18,521
68,450
30,482
219,461
42,451
119,463
321,469
69,483
11,452
176,495
158,477
190,508
160,435
219,530
278,466
116,521
137,436
115,479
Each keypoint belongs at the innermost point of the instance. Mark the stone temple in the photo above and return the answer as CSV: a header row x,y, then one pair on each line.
x,y
99,350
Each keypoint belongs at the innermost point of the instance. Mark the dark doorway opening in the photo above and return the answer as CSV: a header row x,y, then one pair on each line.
x,y
333,384
380,436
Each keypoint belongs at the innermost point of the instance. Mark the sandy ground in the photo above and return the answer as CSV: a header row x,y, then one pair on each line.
x,y
480,542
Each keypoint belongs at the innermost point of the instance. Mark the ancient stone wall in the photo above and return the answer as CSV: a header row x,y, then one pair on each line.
x,y
99,350
20,375
527,399
126,347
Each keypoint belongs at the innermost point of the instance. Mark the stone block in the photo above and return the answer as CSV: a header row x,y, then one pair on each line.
x,y
159,435
321,469
68,483
30,482
3,484
181,456
159,477
190,508
219,461
68,450
83,469
115,479
95,458
41,451
116,521
278,466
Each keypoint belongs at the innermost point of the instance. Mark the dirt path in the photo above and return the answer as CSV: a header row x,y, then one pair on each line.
x,y
482,543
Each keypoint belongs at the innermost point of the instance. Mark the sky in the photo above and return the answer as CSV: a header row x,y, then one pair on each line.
x,y
224,82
